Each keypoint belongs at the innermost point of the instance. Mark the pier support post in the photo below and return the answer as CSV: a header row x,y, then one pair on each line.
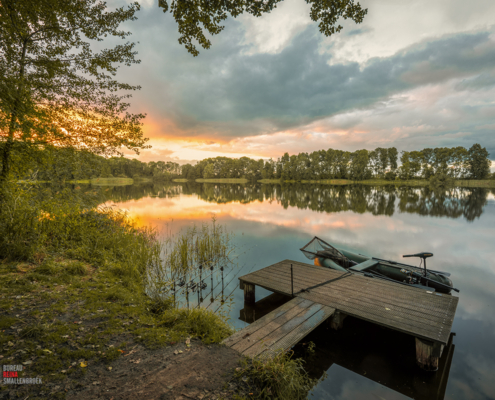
x,y
337,320
249,294
428,354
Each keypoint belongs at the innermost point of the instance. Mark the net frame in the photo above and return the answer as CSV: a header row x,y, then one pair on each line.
x,y
325,250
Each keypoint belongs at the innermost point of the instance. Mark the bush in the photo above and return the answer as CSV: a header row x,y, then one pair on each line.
x,y
280,377
20,233
441,181
390,176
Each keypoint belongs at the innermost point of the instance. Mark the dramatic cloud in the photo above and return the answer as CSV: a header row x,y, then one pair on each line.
x,y
403,78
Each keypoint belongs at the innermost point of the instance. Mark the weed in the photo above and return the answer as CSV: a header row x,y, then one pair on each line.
x,y
279,377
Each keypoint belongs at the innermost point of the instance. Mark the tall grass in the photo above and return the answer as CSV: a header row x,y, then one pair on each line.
x,y
189,255
280,377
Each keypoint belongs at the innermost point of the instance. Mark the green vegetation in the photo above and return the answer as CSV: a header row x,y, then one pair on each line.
x,y
75,281
339,167
56,89
280,377
193,19
111,181
223,180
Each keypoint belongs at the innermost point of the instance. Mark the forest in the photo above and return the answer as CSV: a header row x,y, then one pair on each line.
x,y
381,163
66,164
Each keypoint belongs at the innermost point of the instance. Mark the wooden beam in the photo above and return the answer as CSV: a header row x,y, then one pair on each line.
x,y
249,294
428,353
337,320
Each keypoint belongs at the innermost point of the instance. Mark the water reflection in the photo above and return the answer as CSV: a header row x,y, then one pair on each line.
x,y
272,222
381,200
378,354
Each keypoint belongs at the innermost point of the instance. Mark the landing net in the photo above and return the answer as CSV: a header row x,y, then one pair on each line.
x,y
321,249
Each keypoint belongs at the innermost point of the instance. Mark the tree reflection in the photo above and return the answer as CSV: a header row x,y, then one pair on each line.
x,y
377,200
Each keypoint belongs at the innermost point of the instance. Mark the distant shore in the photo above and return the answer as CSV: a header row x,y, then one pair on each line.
x,y
486,183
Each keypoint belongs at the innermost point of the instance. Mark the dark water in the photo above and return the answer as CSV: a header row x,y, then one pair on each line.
x,y
361,361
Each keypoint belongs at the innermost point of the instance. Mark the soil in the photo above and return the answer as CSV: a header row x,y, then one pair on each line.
x,y
177,372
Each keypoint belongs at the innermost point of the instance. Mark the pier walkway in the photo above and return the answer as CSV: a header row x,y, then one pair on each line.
x,y
322,293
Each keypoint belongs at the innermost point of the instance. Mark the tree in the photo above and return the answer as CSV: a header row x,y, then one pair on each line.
x,y
209,171
392,158
359,165
479,164
190,14
54,88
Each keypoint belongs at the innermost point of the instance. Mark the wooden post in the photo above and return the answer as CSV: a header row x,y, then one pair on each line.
x,y
337,320
249,294
427,354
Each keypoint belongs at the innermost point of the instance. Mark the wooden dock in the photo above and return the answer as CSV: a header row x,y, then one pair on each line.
x,y
281,329
321,293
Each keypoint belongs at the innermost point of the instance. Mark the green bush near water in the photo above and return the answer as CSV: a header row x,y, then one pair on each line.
x,y
277,378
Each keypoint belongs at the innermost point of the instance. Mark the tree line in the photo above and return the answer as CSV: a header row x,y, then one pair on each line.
x,y
382,163
66,164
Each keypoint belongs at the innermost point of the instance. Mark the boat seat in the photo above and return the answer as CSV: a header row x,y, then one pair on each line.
x,y
364,265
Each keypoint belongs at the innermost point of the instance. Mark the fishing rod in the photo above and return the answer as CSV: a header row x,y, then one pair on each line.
x,y
232,289
186,286
207,261
405,271
231,269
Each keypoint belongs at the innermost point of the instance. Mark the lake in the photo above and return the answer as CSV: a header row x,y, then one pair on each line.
x,y
360,361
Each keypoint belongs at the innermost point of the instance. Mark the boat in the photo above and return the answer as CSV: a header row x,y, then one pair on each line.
x,y
325,255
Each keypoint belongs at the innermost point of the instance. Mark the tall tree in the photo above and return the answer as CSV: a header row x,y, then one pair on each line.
x,y
54,88
392,158
479,164
190,15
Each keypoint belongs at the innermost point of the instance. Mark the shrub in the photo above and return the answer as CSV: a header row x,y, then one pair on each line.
x,y
279,377
390,176
441,181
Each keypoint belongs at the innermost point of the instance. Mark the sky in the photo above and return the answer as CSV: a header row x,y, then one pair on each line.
x,y
413,74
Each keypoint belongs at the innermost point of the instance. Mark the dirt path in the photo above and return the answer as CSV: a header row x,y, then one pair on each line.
x,y
196,372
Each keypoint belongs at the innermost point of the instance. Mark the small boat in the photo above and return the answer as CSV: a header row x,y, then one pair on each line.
x,y
325,255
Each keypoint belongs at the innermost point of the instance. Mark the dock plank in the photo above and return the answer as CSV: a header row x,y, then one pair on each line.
x,y
296,335
407,309
274,324
236,337
417,306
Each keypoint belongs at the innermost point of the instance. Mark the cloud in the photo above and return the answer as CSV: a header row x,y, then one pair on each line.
x,y
255,91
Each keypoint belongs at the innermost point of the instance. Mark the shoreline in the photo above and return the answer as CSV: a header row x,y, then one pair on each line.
x,y
484,183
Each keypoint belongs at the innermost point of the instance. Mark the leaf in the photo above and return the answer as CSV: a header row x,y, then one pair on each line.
x,y
83,365
47,351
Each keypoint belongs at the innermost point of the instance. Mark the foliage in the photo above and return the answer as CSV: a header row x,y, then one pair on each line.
x,y
390,176
67,164
441,180
187,254
54,88
479,165
279,377
191,15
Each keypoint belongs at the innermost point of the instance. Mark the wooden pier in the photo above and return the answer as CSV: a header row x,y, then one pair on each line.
x,y
322,293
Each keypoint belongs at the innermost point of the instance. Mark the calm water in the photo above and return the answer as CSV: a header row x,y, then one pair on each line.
x,y
361,361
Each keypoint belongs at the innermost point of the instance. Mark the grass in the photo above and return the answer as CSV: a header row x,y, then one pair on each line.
x,y
279,378
486,183
73,285
112,181
223,180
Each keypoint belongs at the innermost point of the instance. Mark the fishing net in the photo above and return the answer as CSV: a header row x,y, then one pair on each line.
x,y
321,249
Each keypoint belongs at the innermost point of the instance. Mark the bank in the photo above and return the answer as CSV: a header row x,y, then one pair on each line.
x,y
75,313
